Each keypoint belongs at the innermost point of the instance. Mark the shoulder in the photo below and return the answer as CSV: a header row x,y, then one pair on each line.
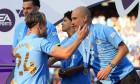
x,y
37,42
33,38
64,41
20,24
40,40
102,28
43,41
49,24
51,28
98,26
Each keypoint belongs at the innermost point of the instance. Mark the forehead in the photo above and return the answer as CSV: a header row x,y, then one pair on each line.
x,y
27,4
66,18
74,14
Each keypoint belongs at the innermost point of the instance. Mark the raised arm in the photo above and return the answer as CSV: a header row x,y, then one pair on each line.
x,y
65,53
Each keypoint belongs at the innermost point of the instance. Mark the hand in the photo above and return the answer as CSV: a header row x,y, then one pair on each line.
x,y
12,52
66,72
28,32
83,32
69,71
103,74
61,73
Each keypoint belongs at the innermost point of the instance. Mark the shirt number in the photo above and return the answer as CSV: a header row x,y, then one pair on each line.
x,y
32,68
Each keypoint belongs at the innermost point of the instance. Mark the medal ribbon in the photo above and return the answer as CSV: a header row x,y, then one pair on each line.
x,y
86,50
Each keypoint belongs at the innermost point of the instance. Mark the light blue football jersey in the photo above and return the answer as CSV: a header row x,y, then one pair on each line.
x,y
21,31
31,60
105,43
78,77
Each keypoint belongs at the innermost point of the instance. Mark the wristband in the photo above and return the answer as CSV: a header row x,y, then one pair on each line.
x,y
112,65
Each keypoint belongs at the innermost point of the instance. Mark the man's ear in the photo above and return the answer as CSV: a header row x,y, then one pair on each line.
x,y
38,25
37,8
85,18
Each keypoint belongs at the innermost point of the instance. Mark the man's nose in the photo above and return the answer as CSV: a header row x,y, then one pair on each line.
x,y
72,22
61,23
25,11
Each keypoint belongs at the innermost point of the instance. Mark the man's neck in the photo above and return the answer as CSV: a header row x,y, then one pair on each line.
x,y
34,30
70,32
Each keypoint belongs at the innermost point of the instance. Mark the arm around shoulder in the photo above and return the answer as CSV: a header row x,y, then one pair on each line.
x,y
65,53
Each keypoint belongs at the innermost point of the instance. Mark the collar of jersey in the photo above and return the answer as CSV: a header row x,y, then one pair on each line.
x,y
33,35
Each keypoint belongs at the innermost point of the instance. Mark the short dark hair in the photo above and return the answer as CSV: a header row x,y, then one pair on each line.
x,y
68,15
35,17
35,2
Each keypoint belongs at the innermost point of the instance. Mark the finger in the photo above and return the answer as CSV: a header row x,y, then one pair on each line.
x,y
88,28
106,75
79,28
85,27
100,75
103,77
13,52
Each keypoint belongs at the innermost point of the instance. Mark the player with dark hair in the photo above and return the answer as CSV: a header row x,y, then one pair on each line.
x,y
72,71
21,29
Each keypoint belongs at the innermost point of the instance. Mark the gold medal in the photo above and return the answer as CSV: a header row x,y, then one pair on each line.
x,y
85,71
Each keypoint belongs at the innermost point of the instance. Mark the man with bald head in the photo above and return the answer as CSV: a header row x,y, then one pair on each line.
x,y
104,50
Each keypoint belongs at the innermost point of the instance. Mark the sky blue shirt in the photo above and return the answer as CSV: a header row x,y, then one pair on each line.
x,y
21,31
105,43
31,62
78,77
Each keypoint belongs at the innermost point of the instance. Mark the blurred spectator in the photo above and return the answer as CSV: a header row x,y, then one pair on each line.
x,y
62,35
